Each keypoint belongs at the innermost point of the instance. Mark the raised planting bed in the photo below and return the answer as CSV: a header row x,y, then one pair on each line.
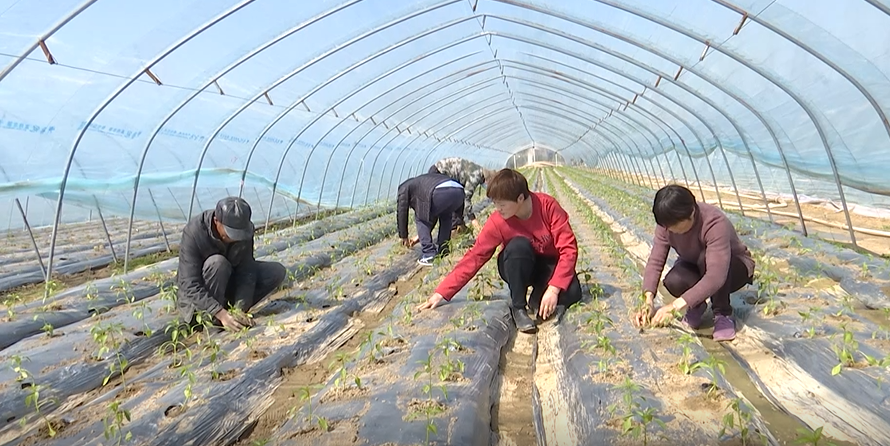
x,y
81,302
132,331
622,385
216,394
804,345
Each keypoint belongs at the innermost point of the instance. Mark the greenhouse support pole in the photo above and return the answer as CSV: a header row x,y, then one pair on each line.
x,y
612,169
631,167
105,228
618,172
33,240
160,223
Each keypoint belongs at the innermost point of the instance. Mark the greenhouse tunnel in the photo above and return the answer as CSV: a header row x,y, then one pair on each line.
x,y
120,121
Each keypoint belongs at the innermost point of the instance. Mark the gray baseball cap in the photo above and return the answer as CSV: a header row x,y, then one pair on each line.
x,y
234,214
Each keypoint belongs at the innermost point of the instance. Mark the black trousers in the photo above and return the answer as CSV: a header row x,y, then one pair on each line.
x,y
521,267
457,218
219,282
445,201
684,275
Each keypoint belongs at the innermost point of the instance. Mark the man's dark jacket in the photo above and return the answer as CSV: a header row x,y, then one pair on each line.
x,y
417,193
200,241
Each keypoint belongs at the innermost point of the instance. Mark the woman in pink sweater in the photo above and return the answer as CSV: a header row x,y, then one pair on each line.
x,y
712,262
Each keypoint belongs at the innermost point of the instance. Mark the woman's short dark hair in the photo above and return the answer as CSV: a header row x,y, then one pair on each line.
x,y
507,185
672,205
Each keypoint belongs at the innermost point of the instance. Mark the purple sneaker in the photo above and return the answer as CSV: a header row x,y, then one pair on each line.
x,y
693,315
724,328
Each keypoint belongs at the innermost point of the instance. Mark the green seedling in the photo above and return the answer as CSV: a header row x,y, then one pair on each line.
x,y
846,306
638,424
450,369
114,420
10,303
811,318
687,362
844,349
768,290
812,437
306,396
431,408
739,418
628,403
714,367
168,296
339,364
110,338
883,330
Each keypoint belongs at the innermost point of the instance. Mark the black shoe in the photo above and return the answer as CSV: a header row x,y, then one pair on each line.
x,y
523,322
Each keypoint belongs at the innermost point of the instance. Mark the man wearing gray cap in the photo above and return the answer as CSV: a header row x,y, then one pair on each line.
x,y
217,270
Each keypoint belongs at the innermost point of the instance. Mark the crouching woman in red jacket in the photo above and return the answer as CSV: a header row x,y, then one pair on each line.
x,y
538,250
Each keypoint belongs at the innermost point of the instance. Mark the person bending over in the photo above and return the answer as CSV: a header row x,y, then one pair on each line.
x,y
538,250
217,268
713,262
434,198
471,176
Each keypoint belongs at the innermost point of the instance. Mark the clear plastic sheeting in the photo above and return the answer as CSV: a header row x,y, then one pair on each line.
x,y
154,111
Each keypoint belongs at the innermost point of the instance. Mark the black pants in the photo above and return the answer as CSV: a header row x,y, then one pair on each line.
x,y
457,218
521,267
684,275
219,283
445,201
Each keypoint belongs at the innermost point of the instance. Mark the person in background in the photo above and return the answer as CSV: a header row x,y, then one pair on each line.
x,y
217,269
713,262
538,250
435,198
471,176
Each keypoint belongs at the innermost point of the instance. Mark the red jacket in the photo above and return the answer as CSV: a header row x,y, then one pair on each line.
x,y
548,229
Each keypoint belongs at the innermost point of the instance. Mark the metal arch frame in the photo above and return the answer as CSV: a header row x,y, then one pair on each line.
x,y
622,118
444,139
415,113
71,15
247,56
379,110
407,145
371,146
719,143
769,77
343,73
837,68
606,93
633,79
105,103
658,121
441,141
737,127
293,73
426,158
390,104
745,104
880,6
448,136
617,55
494,135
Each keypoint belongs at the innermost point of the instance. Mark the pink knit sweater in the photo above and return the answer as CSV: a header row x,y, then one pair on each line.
x,y
710,244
